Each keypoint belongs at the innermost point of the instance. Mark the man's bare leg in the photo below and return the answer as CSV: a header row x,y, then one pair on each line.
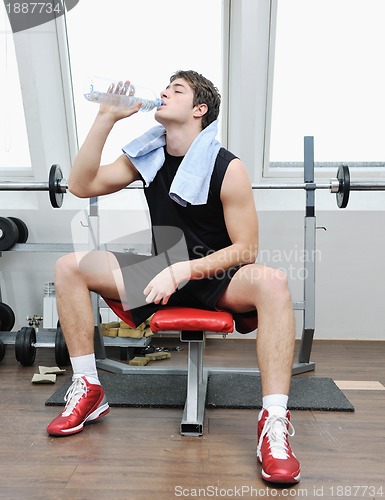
x,y
76,275
265,289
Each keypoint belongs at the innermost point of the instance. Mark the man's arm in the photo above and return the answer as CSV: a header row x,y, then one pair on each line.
x,y
241,222
242,225
87,177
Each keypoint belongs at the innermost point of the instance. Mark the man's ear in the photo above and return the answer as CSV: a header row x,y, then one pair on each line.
x,y
200,110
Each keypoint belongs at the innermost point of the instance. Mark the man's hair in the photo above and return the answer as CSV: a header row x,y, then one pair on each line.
x,y
204,92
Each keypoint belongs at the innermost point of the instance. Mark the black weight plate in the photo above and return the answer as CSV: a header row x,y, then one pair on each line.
x,y
343,176
55,196
61,352
9,234
25,349
2,350
7,317
23,229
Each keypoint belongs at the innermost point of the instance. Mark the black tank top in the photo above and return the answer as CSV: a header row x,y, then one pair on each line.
x,y
203,226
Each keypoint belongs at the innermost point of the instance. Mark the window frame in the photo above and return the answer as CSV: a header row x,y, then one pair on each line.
x,y
25,170
294,170
48,105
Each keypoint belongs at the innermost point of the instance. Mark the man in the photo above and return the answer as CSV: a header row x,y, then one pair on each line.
x,y
220,272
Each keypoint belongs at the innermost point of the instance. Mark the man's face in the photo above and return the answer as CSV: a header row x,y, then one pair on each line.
x,y
177,103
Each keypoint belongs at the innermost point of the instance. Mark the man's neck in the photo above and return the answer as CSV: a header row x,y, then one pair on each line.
x,y
179,139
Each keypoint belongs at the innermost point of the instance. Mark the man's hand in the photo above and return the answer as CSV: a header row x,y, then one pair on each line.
x,y
116,112
166,282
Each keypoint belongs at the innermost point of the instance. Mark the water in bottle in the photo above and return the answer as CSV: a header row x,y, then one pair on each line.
x,y
121,94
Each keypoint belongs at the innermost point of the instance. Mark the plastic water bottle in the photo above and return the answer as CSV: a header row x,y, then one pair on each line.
x,y
120,94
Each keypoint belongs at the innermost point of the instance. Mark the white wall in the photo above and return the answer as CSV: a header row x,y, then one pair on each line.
x,y
350,279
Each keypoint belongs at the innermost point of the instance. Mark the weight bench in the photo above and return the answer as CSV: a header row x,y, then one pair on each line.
x,y
192,325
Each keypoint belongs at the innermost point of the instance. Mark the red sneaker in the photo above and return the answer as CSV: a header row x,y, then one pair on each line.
x,y
85,402
279,464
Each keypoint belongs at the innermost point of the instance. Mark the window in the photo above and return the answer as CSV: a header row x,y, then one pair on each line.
x,y
146,42
328,81
14,148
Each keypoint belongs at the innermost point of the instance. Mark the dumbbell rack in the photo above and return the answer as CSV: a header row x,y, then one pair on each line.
x,y
33,339
28,339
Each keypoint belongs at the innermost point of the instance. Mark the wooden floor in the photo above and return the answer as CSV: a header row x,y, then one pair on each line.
x,y
139,454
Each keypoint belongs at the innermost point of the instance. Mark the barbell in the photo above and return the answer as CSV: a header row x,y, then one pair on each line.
x,y
56,186
341,186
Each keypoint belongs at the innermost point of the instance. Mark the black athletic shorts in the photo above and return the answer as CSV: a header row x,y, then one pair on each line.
x,y
138,270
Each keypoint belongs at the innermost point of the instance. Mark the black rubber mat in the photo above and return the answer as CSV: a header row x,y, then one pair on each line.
x,y
155,391
306,393
228,390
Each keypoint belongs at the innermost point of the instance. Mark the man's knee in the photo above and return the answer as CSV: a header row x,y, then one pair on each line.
x,y
96,270
272,281
85,263
66,265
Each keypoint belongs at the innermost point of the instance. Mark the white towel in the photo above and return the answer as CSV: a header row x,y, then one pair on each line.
x,y
192,181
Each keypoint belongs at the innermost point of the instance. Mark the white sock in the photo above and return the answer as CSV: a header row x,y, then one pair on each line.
x,y
275,404
86,365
